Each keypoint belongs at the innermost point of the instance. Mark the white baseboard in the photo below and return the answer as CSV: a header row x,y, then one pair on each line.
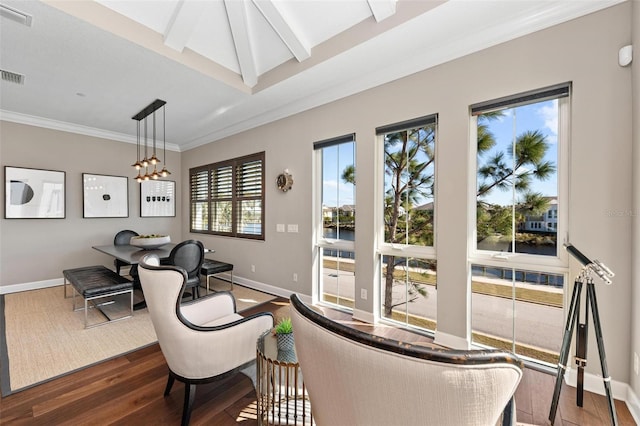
x,y
257,285
594,383
633,402
15,288
451,341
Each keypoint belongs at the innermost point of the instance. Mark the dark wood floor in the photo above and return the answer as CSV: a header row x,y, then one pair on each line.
x,y
128,390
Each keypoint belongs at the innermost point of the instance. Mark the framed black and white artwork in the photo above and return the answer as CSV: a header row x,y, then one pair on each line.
x,y
157,198
105,196
34,193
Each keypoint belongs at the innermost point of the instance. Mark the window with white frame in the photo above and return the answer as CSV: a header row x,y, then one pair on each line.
x,y
518,217
406,244
227,198
335,241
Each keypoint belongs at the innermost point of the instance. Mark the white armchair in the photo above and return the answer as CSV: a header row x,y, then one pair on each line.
x,y
203,340
355,378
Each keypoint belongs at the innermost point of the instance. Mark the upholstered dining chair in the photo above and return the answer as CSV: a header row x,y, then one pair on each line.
x,y
202,340
122,238
354,378
189,255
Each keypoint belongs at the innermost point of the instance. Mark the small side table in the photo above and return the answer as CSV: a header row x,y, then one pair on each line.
x,y
281,395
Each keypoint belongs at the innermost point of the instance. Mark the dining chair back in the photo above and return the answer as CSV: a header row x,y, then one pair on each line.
x,y
189,255
122,238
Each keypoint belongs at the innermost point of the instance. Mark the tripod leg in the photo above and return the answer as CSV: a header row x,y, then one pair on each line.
x,y
574,310
591,296
581,360
581,352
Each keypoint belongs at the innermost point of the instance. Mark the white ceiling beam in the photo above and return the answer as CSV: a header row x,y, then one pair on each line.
x,y
182,23
382,9
287,34
237,14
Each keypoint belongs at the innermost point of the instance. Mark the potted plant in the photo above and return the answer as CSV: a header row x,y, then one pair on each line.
x,y
284,334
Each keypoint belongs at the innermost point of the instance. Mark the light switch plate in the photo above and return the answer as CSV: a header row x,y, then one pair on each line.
x,y
280,227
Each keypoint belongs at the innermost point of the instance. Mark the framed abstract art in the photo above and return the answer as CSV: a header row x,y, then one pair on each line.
x,y
104,196
34,193
157,198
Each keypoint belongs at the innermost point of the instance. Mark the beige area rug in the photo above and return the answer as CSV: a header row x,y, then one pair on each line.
x,y
43,338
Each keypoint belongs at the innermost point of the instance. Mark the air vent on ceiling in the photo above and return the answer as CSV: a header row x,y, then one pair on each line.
x,y
15,15
12,77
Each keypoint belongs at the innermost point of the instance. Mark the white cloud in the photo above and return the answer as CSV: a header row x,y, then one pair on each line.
x,y
330,184
549,114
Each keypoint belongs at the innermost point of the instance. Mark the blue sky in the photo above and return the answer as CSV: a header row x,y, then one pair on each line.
x,y
542,116
334,160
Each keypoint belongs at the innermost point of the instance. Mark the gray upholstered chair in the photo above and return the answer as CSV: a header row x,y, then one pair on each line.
x,y
203,340
122,238
354,378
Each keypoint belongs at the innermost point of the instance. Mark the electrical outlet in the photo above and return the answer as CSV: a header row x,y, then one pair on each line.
x,y
635,362
363,293
253,268
295,277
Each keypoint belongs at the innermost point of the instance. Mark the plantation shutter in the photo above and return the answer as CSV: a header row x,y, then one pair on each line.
x,y
199,183
249,194
227,198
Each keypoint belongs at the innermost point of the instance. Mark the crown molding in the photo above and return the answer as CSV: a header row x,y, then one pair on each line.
x,y
47,123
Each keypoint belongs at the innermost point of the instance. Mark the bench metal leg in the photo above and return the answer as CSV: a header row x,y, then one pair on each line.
x,y
213,275
90,300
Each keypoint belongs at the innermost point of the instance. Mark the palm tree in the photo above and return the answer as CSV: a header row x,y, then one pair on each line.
x,y
529,152
349,175
411,180
513,169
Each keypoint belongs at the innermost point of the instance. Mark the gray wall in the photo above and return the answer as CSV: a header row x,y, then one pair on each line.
x,y
33,250
635,303
583,51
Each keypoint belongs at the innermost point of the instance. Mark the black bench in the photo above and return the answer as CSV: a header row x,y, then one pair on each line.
x,y
212,267
95,282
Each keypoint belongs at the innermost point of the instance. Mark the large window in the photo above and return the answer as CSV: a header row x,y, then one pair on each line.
x,y
227,198
337,209
407,254
518,265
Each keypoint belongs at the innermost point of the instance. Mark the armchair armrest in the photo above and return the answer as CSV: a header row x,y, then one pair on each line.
x,y
210,308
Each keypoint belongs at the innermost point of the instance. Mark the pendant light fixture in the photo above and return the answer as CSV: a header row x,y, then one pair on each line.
x,y
164,172
138,165
153,160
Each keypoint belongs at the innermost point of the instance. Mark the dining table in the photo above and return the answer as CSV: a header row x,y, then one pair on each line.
x,y
134,255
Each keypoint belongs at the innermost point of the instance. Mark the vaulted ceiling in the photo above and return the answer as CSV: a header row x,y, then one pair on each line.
x,y
224,66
